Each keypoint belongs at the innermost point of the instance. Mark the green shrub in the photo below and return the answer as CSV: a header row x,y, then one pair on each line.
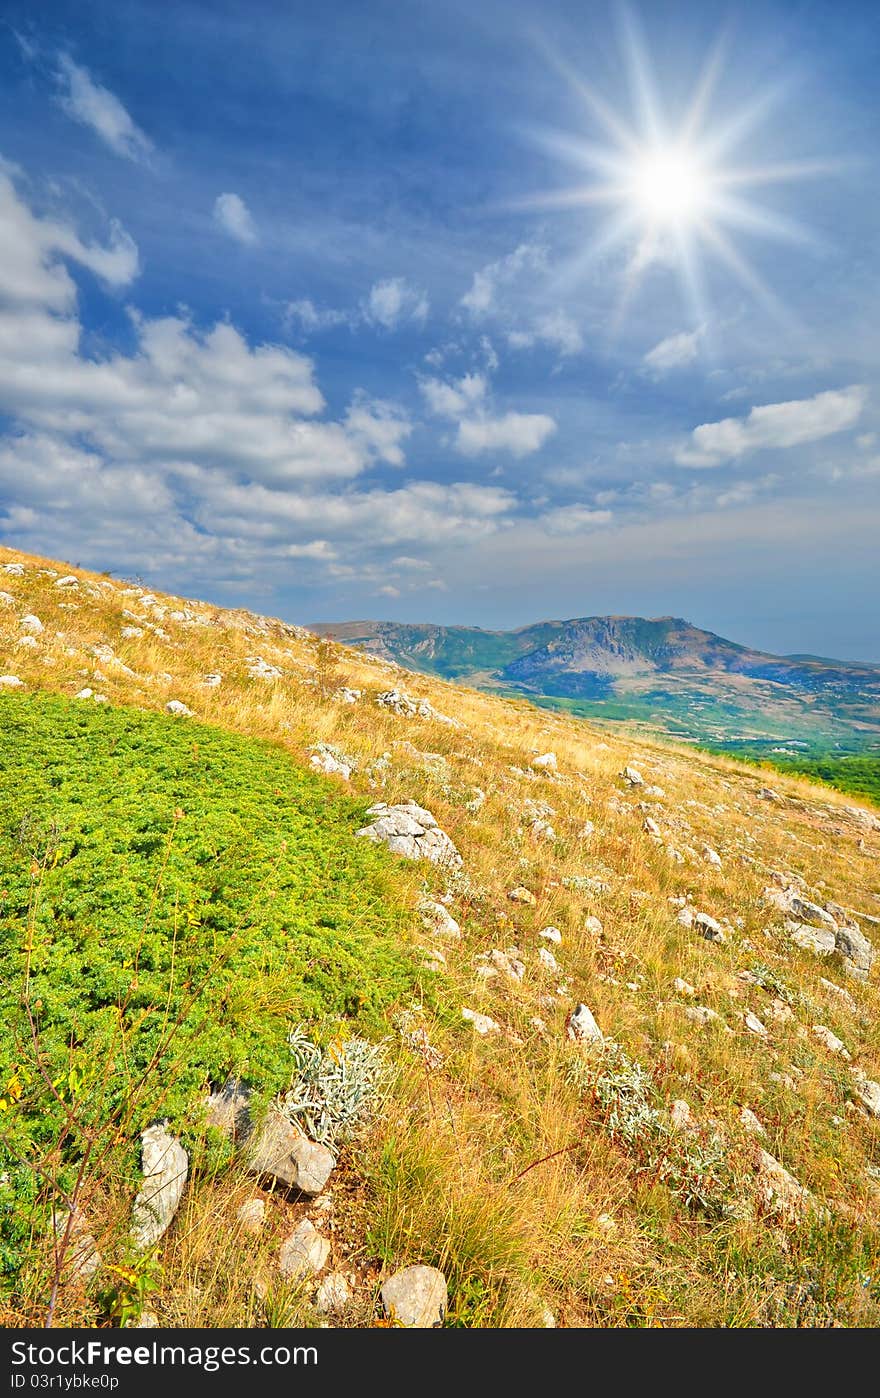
x,y
171,897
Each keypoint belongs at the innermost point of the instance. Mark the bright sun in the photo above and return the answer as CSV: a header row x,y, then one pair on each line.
x,y
669,187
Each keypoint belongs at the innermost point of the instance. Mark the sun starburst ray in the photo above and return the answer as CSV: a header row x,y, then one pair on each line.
x,y
675,195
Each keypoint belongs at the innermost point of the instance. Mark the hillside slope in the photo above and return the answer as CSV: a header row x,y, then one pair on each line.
x,y
663,671
635,1055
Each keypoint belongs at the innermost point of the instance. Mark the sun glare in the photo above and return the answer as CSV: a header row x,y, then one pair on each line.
x,y
669,187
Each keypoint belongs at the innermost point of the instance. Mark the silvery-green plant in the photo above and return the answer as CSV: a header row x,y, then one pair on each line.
x,y
695,1168
333,1090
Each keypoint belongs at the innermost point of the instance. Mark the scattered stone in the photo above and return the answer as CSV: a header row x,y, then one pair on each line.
x,y
712,856
779,1011
755,1026
542,830
165,1166
768,794
131,633
333,1294
868,1094
416,1297
685,916
780,1191
7,599
405,706
213,681
547,960
11,682
251,1215
582,1028
436,918
411,831
282,1152
857,952
27,642
593,925
33,624
702,1014
15,570
545,763
681,1116
522,895
508,963
708,927
790,900
82,1258
828,1040
606,1223
551,934
586,830
682,987
839,994
435,961
174,706
344,695
749,1122
634,777
229,1110
325,760
818,940
259,669
483,1024
651,828
304,1253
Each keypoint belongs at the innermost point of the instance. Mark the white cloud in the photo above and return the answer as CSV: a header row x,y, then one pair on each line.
x,y
455,399
197,454
394,301
234,217
482,298
312,317
465,401
775,425
96,107
420,512
574,519
674,352
31,271
519,433
555,329
379,427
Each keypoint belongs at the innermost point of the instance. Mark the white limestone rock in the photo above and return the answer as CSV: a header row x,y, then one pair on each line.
x,y
281,1151
411,831
304,1253
416,1297
165,1166
483,1024
824,1036
438,919
581,1027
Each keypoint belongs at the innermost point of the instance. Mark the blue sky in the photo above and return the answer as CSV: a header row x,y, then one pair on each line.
x,y
379,311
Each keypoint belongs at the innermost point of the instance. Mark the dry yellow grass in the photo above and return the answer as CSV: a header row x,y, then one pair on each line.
x,y
496,1166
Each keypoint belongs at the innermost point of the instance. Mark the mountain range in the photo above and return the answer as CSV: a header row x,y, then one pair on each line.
x,y
660,672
